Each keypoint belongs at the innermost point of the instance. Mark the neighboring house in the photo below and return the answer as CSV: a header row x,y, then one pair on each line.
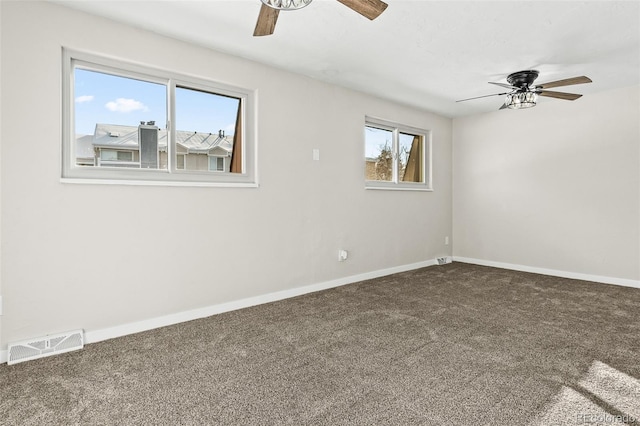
x,y
145,146
84,150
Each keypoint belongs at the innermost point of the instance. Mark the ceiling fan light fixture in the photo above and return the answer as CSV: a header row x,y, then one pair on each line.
x,y
286,4
521,100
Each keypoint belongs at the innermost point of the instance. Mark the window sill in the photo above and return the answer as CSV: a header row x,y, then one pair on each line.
x,y
396,187
158,183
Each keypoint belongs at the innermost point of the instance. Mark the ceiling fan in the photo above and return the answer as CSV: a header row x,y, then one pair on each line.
x,y
271,8
524,94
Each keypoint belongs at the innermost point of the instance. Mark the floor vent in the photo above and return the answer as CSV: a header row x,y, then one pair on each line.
x,y
443,260
45,346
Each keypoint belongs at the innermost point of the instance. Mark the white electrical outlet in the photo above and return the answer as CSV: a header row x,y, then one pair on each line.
x,y
446,241
0,304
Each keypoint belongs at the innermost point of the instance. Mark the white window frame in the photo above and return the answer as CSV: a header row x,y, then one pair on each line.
x,y
395,183
73,173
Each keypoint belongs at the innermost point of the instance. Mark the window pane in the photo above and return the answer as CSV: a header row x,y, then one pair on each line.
x,y
108,112
378,154
206,126
411,158
216,164
108,155
125,156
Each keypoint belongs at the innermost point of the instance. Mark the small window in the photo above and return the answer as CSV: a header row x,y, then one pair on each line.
x,y
396,156
125,122
111,155
124,156
216,164
180,161
114,158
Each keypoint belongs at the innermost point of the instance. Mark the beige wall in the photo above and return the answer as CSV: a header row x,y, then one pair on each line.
x,y
555,187
97,256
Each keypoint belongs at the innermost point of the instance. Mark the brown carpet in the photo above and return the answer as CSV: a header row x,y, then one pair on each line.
x,y
446,345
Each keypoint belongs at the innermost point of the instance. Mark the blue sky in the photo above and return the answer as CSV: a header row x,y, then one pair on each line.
x,y
107,99
376,138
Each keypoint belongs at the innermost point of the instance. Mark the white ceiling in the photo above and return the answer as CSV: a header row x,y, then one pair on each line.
x,y
422,53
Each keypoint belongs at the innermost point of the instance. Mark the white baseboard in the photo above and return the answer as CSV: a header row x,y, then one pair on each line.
x,y
93,336
554,272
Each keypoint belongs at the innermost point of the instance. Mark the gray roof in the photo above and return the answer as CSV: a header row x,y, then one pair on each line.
x,y
203,142
126,137
84,146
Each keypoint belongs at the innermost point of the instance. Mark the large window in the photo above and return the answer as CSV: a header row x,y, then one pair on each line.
x,y
396,156
126,122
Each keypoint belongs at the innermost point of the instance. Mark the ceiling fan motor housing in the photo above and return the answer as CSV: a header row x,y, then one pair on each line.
x,y
522,79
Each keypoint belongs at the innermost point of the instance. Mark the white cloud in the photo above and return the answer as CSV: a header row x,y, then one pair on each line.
x,y
84,98
126,105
